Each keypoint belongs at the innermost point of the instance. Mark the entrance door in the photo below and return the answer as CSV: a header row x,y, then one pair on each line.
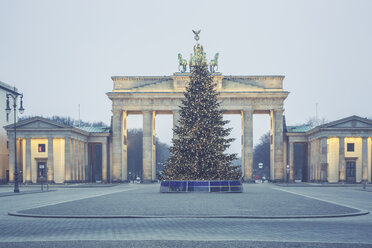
x,y
350,172
95,162
41,171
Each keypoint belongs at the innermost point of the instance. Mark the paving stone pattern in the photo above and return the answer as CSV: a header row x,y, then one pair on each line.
x,y
256,201
186,232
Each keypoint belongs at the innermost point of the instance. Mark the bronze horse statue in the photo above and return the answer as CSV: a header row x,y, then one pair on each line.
x,y
181,62
213,65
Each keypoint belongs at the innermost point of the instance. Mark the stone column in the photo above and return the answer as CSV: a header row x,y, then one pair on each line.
x,y
277,150
311,161
342,159
153,175
147,145
247,155
104,162
304,176
80,161
176,118
11,158
285,152
19,160
124,167
86,166
74,161
308,161
291,161
365,159
28,160
319,158
67,160
324,164
77,163
116,163
50,162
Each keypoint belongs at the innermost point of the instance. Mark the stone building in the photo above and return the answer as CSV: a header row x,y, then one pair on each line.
x,y
59,152
5,119
156,95
339,151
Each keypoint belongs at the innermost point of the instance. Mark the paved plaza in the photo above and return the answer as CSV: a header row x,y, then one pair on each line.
x,y
136,215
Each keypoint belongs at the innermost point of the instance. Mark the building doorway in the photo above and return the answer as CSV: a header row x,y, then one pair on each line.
x,y
95,163
350,172
300,162
42,171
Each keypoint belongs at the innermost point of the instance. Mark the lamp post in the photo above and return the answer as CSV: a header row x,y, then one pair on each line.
x,y
8,110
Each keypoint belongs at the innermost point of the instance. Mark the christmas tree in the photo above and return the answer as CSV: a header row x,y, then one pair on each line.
x,y
200,140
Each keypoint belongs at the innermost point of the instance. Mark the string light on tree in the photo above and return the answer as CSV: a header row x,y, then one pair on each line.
x,y
200,141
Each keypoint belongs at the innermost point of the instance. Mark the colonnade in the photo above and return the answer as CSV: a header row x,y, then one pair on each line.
x,y
119,143
76,160
66,159
321,167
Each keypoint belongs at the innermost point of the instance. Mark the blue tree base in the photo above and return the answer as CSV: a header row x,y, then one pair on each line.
x,y
224,186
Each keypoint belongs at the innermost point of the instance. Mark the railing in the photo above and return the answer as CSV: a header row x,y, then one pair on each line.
x,y
227,186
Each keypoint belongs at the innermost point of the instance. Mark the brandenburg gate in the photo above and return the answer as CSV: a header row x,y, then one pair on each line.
x,y
152,95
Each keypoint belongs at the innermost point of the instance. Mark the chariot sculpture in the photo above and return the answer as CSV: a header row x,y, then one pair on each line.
x,y
199,56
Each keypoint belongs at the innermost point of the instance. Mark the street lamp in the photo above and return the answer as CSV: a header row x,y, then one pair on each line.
x,y
21,110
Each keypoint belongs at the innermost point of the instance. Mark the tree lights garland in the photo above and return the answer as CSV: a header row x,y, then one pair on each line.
x,y
200,141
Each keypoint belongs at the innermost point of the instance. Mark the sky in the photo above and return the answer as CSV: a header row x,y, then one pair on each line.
x,y
62,54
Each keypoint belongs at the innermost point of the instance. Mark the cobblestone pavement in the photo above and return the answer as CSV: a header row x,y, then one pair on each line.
x,y
255,202
186,232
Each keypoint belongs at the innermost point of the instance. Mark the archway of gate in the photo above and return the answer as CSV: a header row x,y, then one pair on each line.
x,y
152,96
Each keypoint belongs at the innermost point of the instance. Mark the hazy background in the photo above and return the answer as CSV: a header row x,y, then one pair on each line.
x,y
62,53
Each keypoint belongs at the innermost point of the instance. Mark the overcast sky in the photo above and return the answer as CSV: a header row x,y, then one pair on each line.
x,y
63,53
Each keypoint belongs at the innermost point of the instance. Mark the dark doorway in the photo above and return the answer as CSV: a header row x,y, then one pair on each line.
x,y
350,172
95,163
134,160
300,168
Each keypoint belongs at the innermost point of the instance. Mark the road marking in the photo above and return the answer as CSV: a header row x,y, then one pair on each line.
x,y
71,200
315,198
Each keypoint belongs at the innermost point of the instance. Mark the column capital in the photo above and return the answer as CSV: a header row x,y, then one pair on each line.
x,y
116,111
281,110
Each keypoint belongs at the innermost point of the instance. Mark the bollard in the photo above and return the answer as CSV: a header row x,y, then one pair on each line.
x,y
364,185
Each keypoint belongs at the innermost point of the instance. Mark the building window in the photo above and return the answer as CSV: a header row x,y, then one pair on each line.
x,y
41,148
350,147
